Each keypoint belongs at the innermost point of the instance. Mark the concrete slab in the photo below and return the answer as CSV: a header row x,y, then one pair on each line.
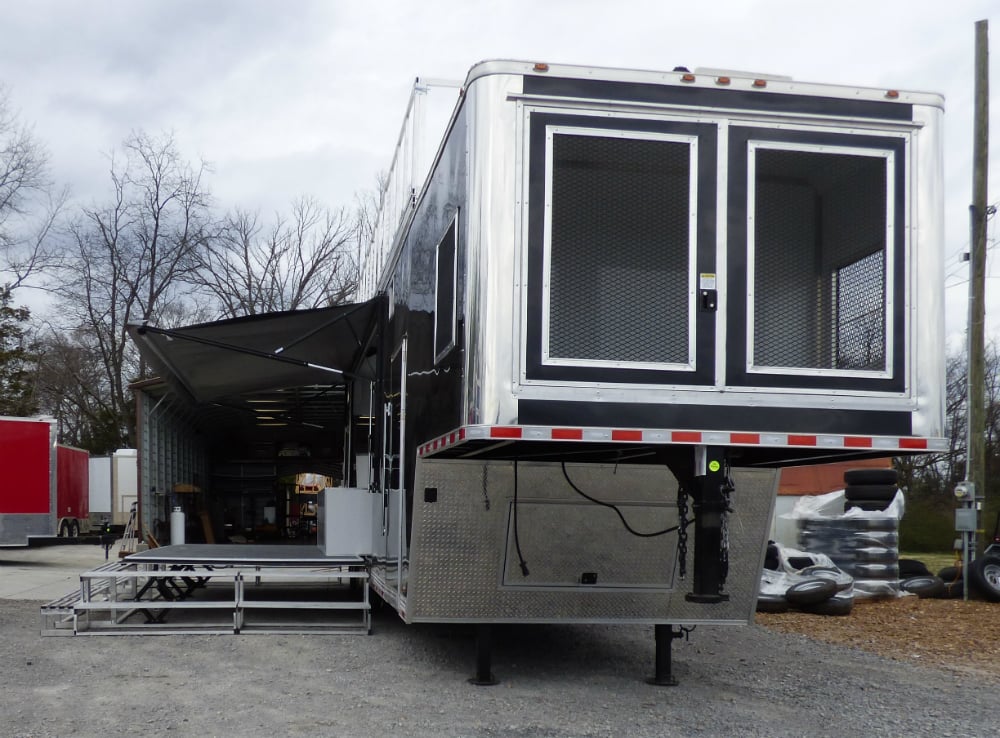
x,y
46,572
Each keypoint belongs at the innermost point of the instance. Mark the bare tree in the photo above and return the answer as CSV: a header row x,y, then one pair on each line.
x,y
367,208
73,387
29,206
933,476
306,260
130,259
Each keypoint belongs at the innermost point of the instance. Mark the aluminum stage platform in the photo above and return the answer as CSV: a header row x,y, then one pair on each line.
x,y
218,588
247,555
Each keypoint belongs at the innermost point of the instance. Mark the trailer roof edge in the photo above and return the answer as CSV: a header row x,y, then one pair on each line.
x,y
707,78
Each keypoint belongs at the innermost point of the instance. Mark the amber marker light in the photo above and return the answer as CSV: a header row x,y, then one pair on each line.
x,y
687,77
541,67
760,83
892,94
722,80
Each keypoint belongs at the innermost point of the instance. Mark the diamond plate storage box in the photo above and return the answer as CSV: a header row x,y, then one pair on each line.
x,y
583,565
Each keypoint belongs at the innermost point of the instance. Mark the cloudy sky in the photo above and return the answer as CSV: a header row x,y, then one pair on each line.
x,y
294,97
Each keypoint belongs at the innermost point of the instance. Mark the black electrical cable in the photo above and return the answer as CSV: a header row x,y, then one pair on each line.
x,y
583,494
517,541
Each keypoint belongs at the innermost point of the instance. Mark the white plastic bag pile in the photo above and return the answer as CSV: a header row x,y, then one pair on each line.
x,y
810,582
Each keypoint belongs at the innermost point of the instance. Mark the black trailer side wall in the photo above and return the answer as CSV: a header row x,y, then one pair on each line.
x,y
426,305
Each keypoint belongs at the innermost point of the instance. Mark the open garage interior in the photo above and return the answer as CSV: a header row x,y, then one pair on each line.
x,y
247,420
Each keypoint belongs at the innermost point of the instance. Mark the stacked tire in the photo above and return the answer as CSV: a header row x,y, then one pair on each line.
x,y
866,547
869,489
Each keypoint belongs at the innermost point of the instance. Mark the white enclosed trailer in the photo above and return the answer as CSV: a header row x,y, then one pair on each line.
x,y
100,489
124,484
618,301
114,486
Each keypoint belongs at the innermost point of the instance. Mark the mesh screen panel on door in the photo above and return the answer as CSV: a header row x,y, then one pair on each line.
x,y
819,287
619,250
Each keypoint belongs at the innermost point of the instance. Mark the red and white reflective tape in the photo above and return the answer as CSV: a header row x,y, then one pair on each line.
x,y
692,437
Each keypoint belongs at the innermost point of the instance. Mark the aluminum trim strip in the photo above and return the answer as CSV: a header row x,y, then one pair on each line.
x,y
684,437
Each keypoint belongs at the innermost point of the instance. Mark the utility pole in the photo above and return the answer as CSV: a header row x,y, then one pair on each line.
x,y
975,460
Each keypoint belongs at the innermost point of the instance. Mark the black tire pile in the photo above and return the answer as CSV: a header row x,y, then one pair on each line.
x,y
867,548
949,583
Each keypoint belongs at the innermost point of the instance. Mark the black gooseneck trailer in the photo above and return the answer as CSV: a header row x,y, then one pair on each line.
x,y
615,305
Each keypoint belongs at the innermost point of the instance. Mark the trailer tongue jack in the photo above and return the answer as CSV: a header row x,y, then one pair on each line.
x,y
711,505
706,476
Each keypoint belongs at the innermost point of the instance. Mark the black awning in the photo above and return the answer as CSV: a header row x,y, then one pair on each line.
x,y
259,353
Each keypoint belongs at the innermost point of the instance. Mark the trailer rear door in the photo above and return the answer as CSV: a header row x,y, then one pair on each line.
x,y
25,458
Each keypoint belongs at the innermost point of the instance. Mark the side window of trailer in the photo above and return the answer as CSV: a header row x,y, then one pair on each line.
x,y
818,251
619,209
445,292
824,250
620,244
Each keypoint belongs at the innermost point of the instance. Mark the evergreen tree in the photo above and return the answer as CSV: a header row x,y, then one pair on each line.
x,y
17,360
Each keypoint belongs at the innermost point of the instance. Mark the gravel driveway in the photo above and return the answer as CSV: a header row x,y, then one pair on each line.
x,y
411,680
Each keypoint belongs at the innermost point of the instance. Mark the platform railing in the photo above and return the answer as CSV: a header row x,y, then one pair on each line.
x,y
125,597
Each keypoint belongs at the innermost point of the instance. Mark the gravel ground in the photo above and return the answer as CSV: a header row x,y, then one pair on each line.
x,y
411,680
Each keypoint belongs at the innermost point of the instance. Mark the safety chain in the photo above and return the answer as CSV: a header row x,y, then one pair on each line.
x,y
682,535
727,491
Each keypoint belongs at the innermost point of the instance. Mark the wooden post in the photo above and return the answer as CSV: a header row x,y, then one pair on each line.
x,y
976,462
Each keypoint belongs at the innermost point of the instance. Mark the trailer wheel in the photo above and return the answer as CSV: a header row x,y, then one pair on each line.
x,y
74,529
986,576
911,568
871,476
882,524
953,590
876,571
811,592
877,555
63,529
842,579
866,505
924,587
951,574
885,539
870,492
838,605
771,603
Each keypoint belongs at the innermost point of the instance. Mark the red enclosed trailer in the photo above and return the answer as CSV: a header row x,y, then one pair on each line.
x,y
43,485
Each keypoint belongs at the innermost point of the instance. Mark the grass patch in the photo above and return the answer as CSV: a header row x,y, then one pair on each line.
x,y
927,528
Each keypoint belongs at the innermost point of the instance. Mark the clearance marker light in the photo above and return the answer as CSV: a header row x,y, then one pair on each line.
x,y
541,67
892,94
688,77
760,83
722,80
